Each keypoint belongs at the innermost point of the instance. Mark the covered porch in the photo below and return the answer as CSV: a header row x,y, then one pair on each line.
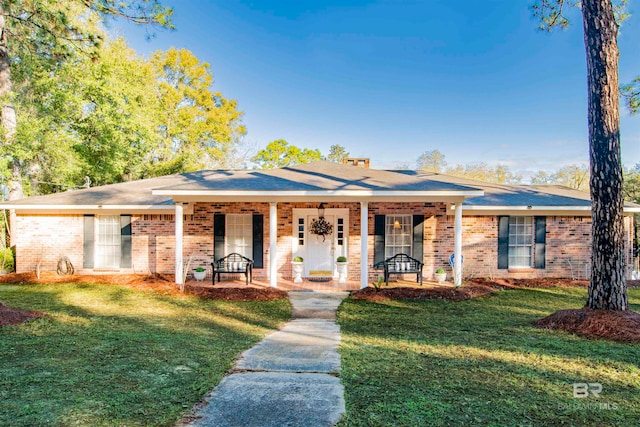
x,y
308,285
281,207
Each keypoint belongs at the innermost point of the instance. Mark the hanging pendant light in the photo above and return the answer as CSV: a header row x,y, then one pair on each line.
x,y
321,210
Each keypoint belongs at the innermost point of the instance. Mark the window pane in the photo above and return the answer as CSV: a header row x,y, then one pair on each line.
x,y
520,241
108,242
239,235
399,235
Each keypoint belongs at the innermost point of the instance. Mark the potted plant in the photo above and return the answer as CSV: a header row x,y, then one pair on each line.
x,y
297,267
6,261
199,273
341,266
441,275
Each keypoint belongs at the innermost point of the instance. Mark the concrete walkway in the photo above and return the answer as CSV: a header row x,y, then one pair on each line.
x,y
290,377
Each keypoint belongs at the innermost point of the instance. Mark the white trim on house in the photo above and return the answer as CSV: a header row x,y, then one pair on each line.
x,y
207,195
532,210
97,209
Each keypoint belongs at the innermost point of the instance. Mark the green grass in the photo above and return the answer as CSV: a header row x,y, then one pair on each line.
x,y
480,362
108,355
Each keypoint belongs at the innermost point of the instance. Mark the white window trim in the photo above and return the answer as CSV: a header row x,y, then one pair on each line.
x,y
404,220
101,247
247,234
530,244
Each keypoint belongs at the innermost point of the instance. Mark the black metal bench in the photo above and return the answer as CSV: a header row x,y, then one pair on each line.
x,y
401,264
233,264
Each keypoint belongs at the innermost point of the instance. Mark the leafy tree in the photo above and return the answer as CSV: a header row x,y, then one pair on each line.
x,y
481,171
431,161
54,30
631,188
573,176
337,153
198,128
279,153
92,118
607,288
631,93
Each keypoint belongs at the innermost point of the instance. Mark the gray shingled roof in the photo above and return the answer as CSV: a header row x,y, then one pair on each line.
x,y
124,193
317,176
518,195
313,177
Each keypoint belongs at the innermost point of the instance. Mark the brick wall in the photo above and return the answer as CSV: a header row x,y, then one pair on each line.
x,y
568,246
45,239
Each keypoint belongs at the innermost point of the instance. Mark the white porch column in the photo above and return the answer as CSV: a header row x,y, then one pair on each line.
x,y
457,246
273,244
364,244
179,219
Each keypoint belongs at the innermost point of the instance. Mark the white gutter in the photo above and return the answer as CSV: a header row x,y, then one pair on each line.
x,y
581,209
326,193
170,207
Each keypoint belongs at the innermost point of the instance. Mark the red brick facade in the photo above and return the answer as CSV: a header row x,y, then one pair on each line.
x,y
46,238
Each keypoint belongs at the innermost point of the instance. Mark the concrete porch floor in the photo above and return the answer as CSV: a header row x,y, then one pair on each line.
x,y
306,285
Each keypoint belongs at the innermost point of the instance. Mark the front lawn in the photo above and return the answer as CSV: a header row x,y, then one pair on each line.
x,y
480,362
109,355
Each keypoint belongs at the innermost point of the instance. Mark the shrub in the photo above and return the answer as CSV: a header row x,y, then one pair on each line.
x,y
298,259
379,284
342,259
439,271
199,269
6,259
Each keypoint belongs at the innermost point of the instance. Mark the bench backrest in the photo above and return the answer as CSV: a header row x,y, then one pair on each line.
x,y
236,259
402,262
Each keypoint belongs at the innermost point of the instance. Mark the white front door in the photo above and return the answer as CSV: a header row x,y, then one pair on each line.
x,y
320,249
319,255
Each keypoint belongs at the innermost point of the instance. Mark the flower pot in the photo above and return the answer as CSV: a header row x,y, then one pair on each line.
x,y
441,277
199,275
342,268
297,268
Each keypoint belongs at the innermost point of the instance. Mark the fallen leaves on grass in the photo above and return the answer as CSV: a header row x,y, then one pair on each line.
x,y
621,326
13,316
451,294
237,294
540,283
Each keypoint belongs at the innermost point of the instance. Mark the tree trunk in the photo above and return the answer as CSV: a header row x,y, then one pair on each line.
x,y
607,289
8,121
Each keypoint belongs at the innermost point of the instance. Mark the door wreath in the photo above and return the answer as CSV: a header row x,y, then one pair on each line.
x,y
321,227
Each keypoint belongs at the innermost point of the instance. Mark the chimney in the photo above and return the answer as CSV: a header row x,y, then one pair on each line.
x,y
360,162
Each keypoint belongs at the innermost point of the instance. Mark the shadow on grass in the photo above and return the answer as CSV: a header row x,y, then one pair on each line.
x,y
107,355
480,362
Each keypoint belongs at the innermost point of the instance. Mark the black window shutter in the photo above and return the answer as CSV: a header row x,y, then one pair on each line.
x,y
218,236
88,241
418,237
378,238
125,241
503,242
541,241
258,239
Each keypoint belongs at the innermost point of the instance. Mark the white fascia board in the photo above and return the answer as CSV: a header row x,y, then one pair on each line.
x,y
537,210
267,195
628,209
524,208
75,209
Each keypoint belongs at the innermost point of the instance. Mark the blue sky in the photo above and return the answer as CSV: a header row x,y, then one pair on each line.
x,y
389,80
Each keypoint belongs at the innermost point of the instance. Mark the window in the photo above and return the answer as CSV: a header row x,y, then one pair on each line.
x,y
239,235
398,235
108,242
520,241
